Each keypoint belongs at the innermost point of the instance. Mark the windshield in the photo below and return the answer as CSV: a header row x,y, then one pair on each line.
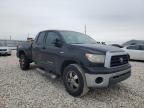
x,y
71,37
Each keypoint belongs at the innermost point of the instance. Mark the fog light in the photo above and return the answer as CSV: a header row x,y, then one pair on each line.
x,y
99,80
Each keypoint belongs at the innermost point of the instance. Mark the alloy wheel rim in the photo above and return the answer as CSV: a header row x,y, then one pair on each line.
x,y
72,80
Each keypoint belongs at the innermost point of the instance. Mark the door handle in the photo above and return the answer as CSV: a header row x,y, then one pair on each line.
x,y
43,48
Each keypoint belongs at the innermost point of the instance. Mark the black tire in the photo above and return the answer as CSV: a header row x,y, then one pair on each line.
x,y
75,86
24,63
9,54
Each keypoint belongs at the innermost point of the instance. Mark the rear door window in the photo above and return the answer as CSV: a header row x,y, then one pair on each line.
x,y
40,39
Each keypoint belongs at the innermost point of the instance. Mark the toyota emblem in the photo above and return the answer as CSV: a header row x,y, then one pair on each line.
x,y
121,60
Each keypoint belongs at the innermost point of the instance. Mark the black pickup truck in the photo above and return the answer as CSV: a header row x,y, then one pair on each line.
x,y
81,62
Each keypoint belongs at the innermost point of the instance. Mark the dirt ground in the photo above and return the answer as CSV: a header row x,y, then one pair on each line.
x,y
31,89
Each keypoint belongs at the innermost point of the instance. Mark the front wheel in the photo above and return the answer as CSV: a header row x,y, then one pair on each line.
x,y
24,64
74,80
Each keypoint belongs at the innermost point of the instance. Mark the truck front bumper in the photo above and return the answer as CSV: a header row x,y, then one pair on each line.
x,y
105,80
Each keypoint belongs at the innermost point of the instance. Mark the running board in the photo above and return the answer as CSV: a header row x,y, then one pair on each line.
x,y
51,75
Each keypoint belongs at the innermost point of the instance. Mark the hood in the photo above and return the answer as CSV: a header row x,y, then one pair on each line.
x,y
99,47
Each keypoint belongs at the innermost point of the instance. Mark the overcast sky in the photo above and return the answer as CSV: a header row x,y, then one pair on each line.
x,y
106,20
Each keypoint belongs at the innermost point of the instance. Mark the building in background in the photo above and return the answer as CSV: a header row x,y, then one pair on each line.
x,y
10,43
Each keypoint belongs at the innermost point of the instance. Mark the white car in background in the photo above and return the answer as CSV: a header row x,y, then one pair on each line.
x,y
136,52
4,50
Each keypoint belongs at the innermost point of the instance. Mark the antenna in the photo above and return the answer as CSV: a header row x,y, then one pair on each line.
x,y
28,35
85,29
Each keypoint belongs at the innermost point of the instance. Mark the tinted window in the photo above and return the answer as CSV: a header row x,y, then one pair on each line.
x,y
51,37
41,38
133,47
142,47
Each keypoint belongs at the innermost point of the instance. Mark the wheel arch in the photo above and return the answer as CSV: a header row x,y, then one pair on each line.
x,y
66,63
21,52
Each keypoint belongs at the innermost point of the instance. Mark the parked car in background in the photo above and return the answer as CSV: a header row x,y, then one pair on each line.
x,y
136,52
4,50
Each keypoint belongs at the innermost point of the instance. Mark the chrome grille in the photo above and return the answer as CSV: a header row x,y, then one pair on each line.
x,y
119,60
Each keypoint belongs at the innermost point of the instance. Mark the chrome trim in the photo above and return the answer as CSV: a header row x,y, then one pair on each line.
x,y
61,52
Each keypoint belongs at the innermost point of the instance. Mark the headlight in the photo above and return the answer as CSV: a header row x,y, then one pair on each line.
x,y
95,58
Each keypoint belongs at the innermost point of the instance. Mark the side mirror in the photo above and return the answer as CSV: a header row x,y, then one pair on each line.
x,y
58,42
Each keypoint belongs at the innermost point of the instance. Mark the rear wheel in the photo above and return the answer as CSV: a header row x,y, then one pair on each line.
x,y
74,80
24,64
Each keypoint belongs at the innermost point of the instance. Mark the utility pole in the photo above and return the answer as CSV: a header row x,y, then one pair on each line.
x,y
28,35
10,37
85,29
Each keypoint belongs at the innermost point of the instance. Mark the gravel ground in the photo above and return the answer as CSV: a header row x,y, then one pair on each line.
x,y
31,89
